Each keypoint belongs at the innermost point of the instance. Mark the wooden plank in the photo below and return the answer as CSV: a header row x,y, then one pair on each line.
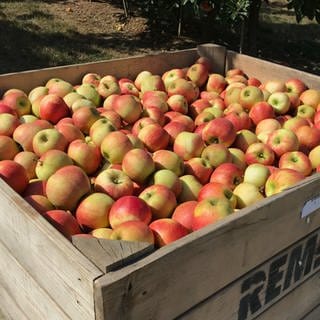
x,y
265,70
197,266
109,255
33,301
314,314
269,291
124,67
217,55
47,256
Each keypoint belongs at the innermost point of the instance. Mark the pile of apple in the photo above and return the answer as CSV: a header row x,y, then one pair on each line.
x,y
159,156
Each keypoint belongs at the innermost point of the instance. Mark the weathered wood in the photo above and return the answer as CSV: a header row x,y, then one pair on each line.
x,y
265,70
46,257
314,314
109,255
197,266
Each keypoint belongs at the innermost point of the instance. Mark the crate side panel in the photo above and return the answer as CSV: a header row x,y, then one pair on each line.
x,y
265,70
50,259
32,299
205,261
124,67
314,314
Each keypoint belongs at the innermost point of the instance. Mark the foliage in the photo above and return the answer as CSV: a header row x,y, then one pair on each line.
x,y
305,8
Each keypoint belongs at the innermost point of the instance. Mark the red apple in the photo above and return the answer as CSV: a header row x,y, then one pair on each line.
x,y
228,174
183,213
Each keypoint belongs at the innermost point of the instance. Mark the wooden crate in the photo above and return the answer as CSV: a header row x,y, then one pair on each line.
x,y
262,262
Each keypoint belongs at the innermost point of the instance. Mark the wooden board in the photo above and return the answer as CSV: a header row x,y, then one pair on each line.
x,y
197,266
46,260
314,314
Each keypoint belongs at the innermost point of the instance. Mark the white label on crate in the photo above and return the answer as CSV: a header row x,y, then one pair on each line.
x,y
310,206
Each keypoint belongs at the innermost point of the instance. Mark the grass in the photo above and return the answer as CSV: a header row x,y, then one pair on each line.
x,y
37,34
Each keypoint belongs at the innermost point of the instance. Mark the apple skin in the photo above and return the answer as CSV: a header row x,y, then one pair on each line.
x,y
93,211
310,97
48,139
69,131
295,86
107,87
133,231
14,174
247,194
280,102
35,186
174,128
238,158
190,188
129,208
216,82
167,230
152,99
179,103
217,190
91,77
282,141
4,108
314,157
67,186
102,233
17,101
282,179
228,174
29,161
8,123
259,152
53,108
85,117
152,83
155,114
81,103
260,111
85,154
113,182
256,174
50,162
197,106
154,137
265,127
184,87
100,129
160,199
244,139
296,160
114,146
167,159
140,76
89,91
183,213
63,221
306,111
171,75
138,165
240,120
198,74
188,145
209,211
8,148
59,87
294,123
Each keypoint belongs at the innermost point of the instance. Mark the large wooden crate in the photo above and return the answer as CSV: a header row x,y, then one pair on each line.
x,y
262,262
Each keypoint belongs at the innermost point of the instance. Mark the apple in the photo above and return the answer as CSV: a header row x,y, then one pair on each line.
x,y
265,127
232,95
8,148
138,165
185,88
200,168
216,154
247,194
308,138
274,85
133,231
48,139
244,139
209,211
260,111
252,81
35,186
85,117
167,230
174,128
294,123
228,174
188,145
183,213
280,102
295,86
154,137
69,131
240,120
259,152
17,101
81,103
198,74
63,221
37,92
152,83
14,174
250,95
282,179
90,92
167,159
314,156
102,233
206,62
216,82
140,76
129,208
113,182
238,157
128,107
256,174
155,114
67,186
154,99
29,161
179,103
91,77
219,130
59,87
93,211
296,160
172,75
4,108
310,97
283,140
190,188
50,162
197,106
160,199
107,87
70,98
8,123
39,203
